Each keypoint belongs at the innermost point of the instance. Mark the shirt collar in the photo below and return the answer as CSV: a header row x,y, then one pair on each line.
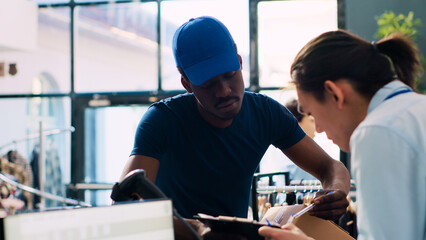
x,y
387,90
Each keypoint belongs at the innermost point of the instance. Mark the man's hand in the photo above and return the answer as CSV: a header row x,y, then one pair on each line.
x,y
330,204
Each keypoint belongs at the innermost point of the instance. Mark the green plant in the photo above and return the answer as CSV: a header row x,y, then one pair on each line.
x,y
389,23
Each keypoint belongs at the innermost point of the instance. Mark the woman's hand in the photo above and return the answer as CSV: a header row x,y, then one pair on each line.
x,y
288,231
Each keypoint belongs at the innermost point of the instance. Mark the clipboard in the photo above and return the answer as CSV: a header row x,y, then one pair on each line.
x,y
312,226
234,225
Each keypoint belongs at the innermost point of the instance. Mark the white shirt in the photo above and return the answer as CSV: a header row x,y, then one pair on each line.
x,y
389,166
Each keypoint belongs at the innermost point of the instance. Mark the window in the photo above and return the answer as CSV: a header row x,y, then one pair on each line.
x,y
284,28
116,48
175,13
52,55
109,136
98,65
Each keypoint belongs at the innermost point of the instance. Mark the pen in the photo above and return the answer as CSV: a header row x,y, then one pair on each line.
x,y
269,224
309,207
299,213
291,218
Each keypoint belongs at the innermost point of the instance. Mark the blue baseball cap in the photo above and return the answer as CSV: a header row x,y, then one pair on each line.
x,y
204,48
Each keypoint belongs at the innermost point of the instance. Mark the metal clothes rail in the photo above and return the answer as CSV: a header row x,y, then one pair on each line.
x,y
41,158
37,135
286,189
42,194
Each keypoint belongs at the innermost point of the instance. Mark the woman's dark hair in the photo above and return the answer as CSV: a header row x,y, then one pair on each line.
x,y
368,66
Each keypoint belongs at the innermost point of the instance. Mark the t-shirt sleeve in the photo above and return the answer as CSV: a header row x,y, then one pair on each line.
x,y
150,137
285,130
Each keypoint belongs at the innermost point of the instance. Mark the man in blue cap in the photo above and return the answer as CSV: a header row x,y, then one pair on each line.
x,y
203,147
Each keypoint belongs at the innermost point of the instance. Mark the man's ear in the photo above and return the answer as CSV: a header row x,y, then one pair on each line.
x,y
185,84
334,90
241,60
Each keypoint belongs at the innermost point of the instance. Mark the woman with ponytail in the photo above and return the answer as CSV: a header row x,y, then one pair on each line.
x,y
362,95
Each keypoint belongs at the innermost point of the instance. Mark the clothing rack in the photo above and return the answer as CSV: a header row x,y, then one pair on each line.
x,y
41,158
310,182
303,186
38,135
42,194
286,189
305,182
290,187
254,188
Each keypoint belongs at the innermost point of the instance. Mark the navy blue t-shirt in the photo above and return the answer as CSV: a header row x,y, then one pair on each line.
x,y
205,169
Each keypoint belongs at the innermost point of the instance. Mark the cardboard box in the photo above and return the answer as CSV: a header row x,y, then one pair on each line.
x,y
314,227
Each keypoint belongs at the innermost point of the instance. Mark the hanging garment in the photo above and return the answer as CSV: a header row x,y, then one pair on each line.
x,y
34,168
7,189
53,183
16,158
17,171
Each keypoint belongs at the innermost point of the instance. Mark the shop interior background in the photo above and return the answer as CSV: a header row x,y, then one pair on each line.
x,y
92,68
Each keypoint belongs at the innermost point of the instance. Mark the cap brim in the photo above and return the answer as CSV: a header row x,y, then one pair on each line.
x,y
201,72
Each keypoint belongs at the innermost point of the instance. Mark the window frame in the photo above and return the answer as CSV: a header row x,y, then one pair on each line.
x,y
80,101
